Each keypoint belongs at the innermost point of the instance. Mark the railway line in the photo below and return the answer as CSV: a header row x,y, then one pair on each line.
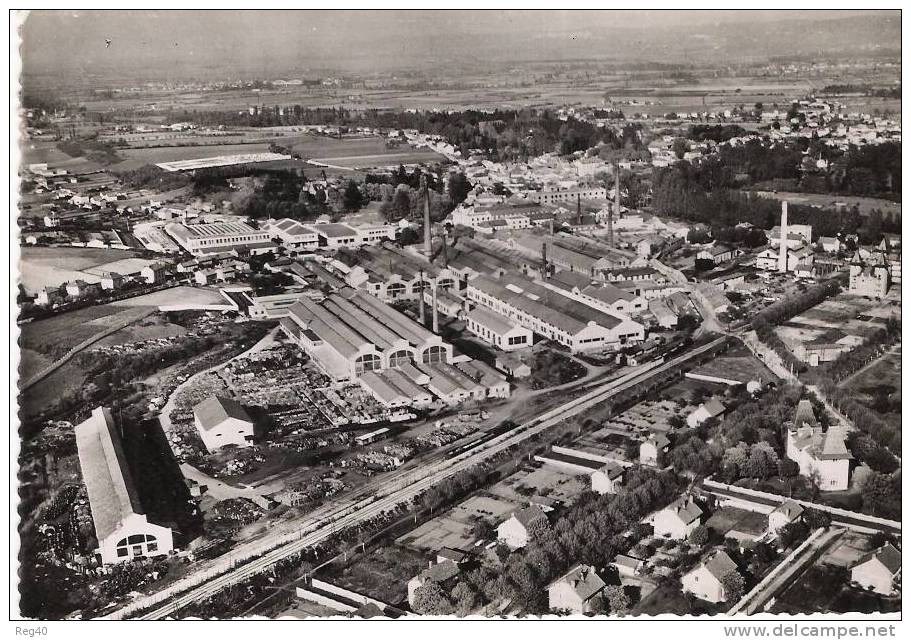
x,y
249,560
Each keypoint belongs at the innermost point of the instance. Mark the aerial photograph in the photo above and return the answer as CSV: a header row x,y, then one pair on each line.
x,y
456,314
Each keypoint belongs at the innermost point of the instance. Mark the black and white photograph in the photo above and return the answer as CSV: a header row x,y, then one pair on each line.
x,y
456,314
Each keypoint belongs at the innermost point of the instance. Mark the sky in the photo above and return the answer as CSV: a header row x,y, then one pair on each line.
x,y
186,41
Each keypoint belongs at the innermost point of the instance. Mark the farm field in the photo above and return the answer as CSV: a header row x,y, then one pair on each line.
x,y
414,156
52,266
68,378
864,205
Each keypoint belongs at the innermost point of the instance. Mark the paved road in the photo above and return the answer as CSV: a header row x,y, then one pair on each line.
x,y
322,524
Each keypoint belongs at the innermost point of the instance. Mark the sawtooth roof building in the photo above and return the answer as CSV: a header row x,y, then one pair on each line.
x,y
555,316
121,525
351,333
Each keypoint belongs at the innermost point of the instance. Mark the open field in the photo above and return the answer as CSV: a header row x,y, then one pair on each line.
x,y
174,295
52,266
547,485
351,152
382,574
882,377
149,328
56,335
827,201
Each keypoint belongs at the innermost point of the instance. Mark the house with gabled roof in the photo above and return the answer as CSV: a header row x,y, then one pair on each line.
x,y
517,530
678,519
783,515
442,573
608,479
653,449
879,570
222,421
706,581
819,454
576,591
711,408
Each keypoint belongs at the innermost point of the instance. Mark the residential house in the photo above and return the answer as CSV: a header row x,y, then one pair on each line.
x,y
516,531
577,591
706,581
608,479
678,519
783,515
879,570
442,573
711,408
821,455
653,449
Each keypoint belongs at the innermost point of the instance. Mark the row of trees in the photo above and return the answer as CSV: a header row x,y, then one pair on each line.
x,y
872,347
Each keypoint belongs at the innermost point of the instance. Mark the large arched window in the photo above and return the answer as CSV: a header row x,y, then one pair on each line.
x,y
400,358
416,288
367,362
395,290
136,545
435,353
445,283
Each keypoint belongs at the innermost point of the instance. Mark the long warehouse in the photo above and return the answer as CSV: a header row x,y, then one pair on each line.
x,y
553,315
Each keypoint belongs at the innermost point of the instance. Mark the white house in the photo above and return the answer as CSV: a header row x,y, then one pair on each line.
x,y
628,566
878,570
121,525
576,591
783,515
821,455
441,573
711,408
222,421
608,479
653,449
678,519
705,581
516,531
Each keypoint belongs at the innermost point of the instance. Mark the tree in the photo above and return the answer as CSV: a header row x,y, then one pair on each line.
x,y
617,599
352,199
431,600
680,146
458,187
816,519
700,535
465,599
733,585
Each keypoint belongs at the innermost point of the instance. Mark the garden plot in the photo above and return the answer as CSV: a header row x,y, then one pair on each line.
x,y
453,528
547,485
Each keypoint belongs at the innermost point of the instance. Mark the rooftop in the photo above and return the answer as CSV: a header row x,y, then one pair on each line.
x,y
212,411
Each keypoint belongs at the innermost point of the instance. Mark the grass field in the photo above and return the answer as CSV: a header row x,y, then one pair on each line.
x,y
826,201
56,335
353,152
884,376
382,574
174,295
41,267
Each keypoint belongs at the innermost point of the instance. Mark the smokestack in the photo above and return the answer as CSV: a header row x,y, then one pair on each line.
x,y
579,208
543,259
550,226
445,250
421,299
428,241
783,248
616,209
436,319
